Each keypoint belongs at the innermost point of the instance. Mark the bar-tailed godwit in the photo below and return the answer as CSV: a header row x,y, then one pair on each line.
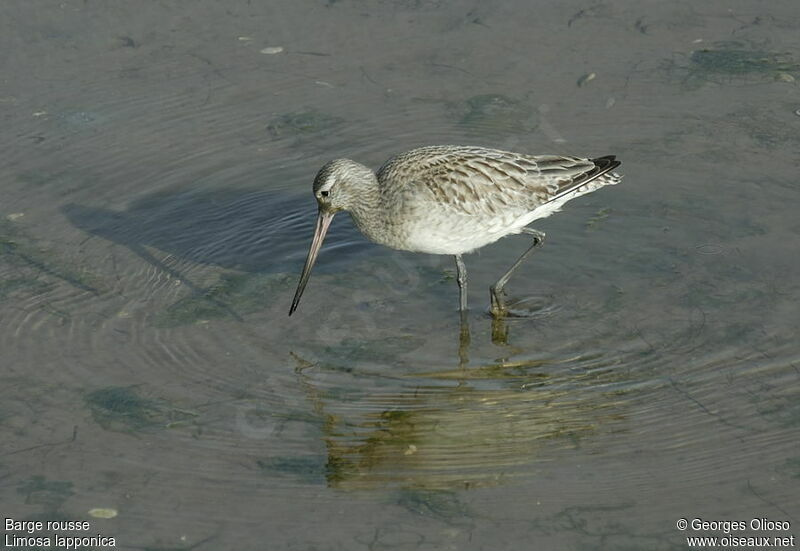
x,y
452,200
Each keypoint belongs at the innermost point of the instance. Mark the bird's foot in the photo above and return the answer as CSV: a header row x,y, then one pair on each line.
x,y
498,309
532,307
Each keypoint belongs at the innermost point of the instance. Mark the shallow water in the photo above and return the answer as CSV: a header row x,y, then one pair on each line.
x,y
156,211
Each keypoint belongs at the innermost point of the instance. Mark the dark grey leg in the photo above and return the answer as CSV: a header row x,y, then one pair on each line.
x,y
496,291
463,340
462,283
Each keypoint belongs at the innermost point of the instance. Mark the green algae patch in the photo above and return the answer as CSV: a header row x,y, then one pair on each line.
x,y
736,61
308,121
20,249
728,63
123,409
309,469
49,493
496,114
442,505
599,216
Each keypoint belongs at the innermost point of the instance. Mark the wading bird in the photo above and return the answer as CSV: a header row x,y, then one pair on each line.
x,y
452,200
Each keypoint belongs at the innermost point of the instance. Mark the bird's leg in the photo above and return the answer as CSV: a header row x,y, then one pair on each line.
x,y
462,283
463,340
496,291
463,337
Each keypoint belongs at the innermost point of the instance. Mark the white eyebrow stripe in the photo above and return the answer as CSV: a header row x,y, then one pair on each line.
x,y
329,181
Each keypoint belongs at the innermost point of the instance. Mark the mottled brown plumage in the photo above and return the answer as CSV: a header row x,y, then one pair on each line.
x,y
452,199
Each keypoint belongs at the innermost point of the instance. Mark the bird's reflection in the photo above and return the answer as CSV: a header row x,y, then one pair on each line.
x,y
499,331
464,339
461,426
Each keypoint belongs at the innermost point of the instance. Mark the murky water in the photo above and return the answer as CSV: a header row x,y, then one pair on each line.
x,y
156,211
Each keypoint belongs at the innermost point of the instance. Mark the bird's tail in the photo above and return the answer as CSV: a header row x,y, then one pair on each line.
x,y
604,165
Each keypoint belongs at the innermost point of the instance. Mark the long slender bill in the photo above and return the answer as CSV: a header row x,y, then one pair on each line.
x,y
323,221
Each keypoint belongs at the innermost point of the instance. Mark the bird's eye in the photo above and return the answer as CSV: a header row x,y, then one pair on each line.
x,y
324,193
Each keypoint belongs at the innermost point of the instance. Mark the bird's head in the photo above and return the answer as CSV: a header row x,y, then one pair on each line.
x,y
337,184
337,187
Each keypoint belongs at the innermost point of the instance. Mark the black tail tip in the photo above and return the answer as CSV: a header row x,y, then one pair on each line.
x,y
607,162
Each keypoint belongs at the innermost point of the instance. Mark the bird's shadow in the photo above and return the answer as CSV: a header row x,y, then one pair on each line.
x,y
246,230
258,232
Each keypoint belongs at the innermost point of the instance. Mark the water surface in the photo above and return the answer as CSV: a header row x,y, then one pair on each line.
x,y
156,211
